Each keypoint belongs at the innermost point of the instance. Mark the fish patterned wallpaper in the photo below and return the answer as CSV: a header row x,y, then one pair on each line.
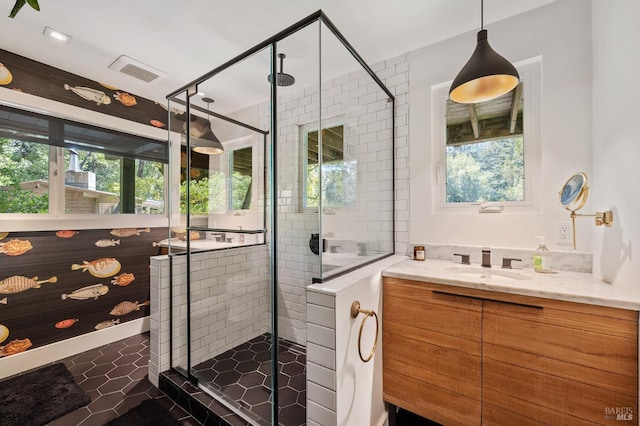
x,y
28,76
57,285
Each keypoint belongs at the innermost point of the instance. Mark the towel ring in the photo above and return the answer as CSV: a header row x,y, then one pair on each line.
x,y
355,310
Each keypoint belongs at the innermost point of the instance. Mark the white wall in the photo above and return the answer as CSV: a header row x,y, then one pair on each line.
x,y
560,32
616,146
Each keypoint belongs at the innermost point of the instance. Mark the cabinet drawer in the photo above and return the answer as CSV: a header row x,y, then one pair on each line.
x,y
432,352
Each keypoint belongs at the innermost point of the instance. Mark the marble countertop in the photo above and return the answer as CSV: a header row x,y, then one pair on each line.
x,y
569,286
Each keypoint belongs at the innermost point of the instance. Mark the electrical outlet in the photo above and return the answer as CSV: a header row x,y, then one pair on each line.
x,y
564,233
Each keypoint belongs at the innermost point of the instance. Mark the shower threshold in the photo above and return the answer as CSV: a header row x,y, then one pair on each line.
x,y
240,379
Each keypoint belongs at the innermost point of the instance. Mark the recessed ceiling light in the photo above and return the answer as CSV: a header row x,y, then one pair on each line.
x,y
57,35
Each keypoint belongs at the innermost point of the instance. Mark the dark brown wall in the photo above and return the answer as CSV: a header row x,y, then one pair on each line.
x,y
33,313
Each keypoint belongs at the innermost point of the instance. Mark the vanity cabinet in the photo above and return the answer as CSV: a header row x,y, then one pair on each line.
x,y
464,356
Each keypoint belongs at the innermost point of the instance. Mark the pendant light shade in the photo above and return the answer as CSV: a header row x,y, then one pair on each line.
x,y
485,76
206,142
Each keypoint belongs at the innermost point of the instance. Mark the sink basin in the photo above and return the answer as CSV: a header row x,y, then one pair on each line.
x,y
486,273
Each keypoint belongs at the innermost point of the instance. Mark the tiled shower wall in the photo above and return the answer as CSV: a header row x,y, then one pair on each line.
x,y
365,104
229,304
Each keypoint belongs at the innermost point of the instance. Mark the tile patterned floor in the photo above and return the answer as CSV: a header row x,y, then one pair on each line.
x,y
243,376
115,377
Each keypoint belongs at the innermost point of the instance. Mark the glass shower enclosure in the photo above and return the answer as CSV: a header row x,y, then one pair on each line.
x,y
277,183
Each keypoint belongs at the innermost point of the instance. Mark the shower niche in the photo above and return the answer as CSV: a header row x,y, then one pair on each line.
x,y
307,153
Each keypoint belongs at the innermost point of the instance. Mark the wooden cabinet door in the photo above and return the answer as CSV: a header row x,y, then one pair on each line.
x,y
432,351
555,362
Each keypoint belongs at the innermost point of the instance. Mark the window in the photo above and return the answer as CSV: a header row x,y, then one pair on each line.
x,y
240,176
489,151
54,166
336,181
24,177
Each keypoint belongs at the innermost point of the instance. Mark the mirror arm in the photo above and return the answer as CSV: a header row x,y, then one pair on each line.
x,y
601,218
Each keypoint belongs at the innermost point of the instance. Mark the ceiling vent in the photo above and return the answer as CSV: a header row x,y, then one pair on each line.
x,y
136,69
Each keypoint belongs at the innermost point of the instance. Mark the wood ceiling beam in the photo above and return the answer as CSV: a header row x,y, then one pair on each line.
x,y
473,118
515,102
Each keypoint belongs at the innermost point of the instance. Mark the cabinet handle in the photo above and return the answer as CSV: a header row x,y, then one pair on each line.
x,y
524,305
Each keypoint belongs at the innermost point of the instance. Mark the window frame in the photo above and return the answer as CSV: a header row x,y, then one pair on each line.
x,y
56,219
531,76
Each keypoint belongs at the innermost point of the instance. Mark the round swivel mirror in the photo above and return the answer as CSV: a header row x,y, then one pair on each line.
x,y
574,193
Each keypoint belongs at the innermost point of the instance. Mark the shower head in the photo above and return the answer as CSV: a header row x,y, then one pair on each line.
x,y
282,79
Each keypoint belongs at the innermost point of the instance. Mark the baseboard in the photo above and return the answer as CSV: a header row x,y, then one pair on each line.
x,y
32,358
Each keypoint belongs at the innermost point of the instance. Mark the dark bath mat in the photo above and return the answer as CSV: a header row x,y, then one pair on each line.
x,y
149,412
38,397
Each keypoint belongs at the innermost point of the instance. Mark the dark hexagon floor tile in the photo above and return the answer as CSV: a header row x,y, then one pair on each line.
x,y
298,382
99,370
99,418
121,371
127,359
293,369
225,365
265,368
285,357
131,349
128,403
93,383
264,411
247,366
142,362
243,355
139,373
262,356
114,385
205,365
260,347
302,398
256,395
106,402
80,369
85,357
234,391
292,415
252,379
137,340
227,377
136,387
287,396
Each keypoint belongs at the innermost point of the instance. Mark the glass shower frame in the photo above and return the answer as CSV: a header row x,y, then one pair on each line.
x,y
183,95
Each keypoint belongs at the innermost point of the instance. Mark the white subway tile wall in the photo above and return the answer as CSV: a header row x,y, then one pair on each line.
x,y
229,304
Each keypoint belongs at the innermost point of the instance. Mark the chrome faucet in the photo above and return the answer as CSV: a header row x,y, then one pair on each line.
x,y
486,258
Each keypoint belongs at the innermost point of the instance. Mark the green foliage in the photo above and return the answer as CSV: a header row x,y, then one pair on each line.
x,y
486,171
240,191
18,5
338,186
206,195
14,200
22,162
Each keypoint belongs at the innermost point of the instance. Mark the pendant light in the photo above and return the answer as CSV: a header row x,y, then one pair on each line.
x,y
486,75
207,143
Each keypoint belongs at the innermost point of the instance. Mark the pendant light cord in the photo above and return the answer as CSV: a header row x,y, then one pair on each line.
x,y
481,14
